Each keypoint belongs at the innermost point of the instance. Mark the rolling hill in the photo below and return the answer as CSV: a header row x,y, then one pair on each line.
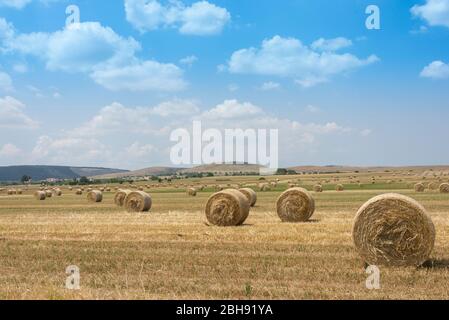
x,y
39,173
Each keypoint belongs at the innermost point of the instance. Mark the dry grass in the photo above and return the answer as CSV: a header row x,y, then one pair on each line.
x,y
172,254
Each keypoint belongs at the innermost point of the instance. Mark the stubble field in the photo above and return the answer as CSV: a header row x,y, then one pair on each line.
x,y
171,252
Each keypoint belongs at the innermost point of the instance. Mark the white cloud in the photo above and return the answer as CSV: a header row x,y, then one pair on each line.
x,y
331,44
233,87
288,57
313,109
5,82
70,151
189,60
20,68
17,4
141,76
176,108
201,18
436,70
366,132
139,150
232,109
270,86
435,12
9,150
12,114
6,30
108,58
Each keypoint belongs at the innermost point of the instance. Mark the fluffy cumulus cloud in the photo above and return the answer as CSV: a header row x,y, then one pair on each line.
x,y
435,12
436,70
12,114
232,109
331,44
108,58
289,57
201,18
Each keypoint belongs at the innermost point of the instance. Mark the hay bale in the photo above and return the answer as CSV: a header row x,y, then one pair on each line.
x,y
138,201
318,188
48,193
419,187
95,196
40,195
339,188
19,191
120,196
70,188
79,192
444,188
58,192
432,186
227,208
265,187
393,230
295,205
250,194
191,192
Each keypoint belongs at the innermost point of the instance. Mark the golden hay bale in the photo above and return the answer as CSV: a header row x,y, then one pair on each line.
x,y
419,187
79,192
191,192
318,188
250,194
444,188
95,196
227,208
265,187
138,201
10,192
58,192
339,187
108,189
40,195
48,193
432,186
120,196
295,205
19,191
393,230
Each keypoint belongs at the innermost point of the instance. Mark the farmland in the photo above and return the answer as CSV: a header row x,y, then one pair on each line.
x,y
172,253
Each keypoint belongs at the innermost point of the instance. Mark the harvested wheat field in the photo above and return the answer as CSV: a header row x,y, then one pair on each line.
x,y
171,252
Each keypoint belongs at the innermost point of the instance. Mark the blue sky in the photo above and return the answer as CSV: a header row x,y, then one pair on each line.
x,y
109,90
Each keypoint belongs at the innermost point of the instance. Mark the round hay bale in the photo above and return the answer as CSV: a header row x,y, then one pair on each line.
x,y
10,192
265,187
295,205
70,188
227,208
419,187
339,188
79,192
19,191
95,196
318,188
444,188
48,193
40,195
250,194
120,196
58,192
432,186
191,192
393,230
138,201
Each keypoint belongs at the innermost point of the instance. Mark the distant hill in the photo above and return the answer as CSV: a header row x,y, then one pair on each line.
x,y
39,173
224,168
147,172
334,169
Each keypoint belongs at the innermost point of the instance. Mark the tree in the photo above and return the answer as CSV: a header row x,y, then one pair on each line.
x,y
84,180
25,178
